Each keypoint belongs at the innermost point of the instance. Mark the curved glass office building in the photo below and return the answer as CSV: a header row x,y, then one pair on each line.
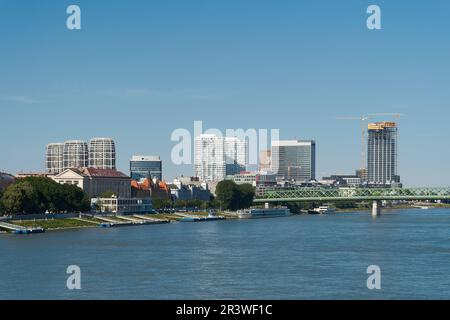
x,y
102,153
76,154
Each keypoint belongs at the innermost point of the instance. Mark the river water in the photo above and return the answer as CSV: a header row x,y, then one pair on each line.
x,y
299,257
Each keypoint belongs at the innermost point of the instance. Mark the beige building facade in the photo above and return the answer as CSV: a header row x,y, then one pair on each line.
x,y
95,182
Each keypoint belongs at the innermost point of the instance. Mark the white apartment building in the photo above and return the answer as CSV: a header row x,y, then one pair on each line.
x,y
210,157
216,157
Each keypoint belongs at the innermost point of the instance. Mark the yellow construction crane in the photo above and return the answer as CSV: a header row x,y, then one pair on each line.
x,y
363,120
395,115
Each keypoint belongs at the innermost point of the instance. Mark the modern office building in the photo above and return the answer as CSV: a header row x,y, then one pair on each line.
x,y
294,160
382,153
146,167
123,205
102,153
210,162
54,158
76,154
236,155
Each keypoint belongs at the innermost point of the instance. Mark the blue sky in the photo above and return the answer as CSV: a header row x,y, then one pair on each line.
x,y
140,69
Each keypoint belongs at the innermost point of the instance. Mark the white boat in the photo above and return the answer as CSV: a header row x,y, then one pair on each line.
x,y
422,207
322,210
255,213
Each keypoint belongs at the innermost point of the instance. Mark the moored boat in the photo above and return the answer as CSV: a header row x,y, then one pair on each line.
x,y
255,213
322,210
29,230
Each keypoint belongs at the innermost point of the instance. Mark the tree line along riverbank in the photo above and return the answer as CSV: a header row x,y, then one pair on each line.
x,y
38,195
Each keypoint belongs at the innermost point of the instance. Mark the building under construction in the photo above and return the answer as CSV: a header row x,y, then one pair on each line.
x,y
382,153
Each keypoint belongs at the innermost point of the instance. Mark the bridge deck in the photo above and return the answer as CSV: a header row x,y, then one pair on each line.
x,y
353,194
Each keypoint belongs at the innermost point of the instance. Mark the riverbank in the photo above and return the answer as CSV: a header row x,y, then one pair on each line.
x,y
88,221
56,224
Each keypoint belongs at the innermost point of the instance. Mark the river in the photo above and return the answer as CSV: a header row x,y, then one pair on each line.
x,y
299,257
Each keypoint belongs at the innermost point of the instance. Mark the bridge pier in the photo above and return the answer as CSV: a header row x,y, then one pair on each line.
x,y
376,208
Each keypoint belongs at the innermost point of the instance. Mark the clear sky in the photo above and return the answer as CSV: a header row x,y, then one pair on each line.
x,y
137,70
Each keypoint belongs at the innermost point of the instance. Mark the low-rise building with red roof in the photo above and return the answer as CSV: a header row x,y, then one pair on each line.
x,y
96,182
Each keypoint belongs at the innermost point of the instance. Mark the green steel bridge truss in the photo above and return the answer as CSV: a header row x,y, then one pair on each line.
x,y
352,194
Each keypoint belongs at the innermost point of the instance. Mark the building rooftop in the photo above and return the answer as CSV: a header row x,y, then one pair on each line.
x,y
103,173
292,143
93,172
102,139
381,125
146,158
23,174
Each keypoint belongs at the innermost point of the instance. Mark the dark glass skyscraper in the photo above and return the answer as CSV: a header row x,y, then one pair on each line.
x,y
142,167
294,160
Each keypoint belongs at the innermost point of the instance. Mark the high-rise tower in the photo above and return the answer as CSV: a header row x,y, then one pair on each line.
x,y
54,157
76,154
382,153
235,155
294,160
210,158
102,153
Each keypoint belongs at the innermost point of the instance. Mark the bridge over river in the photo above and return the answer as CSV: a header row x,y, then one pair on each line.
x,y
283,195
